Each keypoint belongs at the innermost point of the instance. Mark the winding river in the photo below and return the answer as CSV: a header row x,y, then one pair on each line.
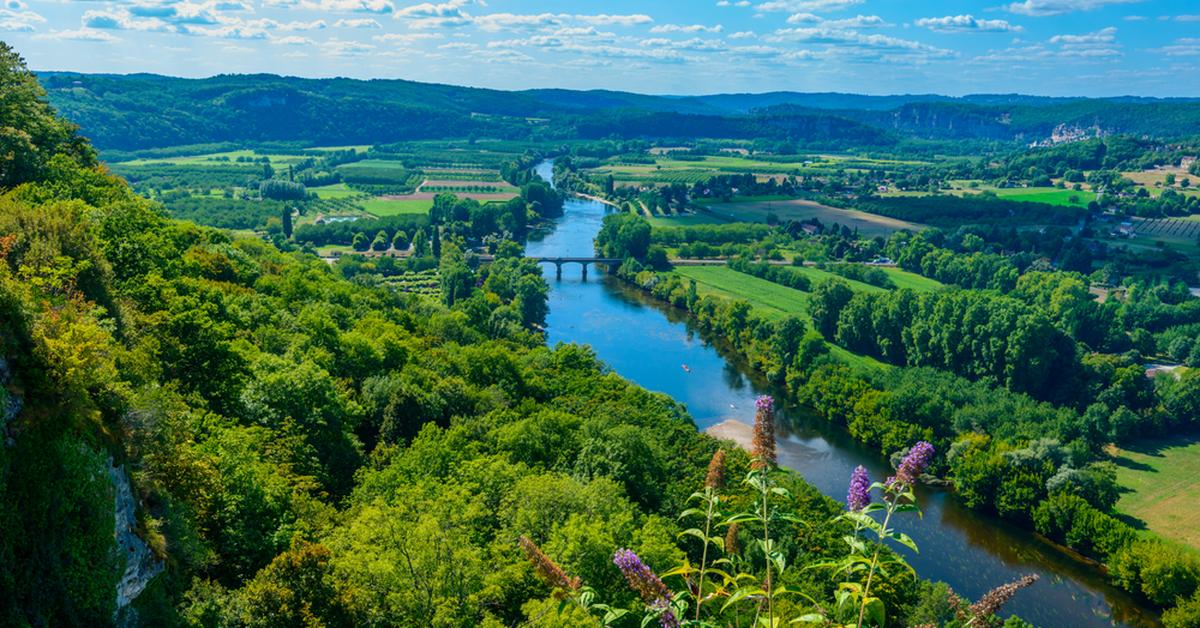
x,y
649,342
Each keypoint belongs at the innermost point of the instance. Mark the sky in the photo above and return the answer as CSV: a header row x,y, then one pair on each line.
x,y
684,47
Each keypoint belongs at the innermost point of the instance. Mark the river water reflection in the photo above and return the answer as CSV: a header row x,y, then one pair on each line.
x,y
648,343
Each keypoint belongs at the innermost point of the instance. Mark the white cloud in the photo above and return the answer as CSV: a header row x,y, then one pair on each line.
x,y
743,35
364,22
345,48
807,6
1041,8
16,17
292,40
615,20
1187,18
79,34
688,28
858,21
405,38
336,6
1185,47
510,21
966,24
1102,36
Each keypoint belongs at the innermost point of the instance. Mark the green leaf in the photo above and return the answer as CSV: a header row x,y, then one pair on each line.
x,y
904,540
742,594
876,610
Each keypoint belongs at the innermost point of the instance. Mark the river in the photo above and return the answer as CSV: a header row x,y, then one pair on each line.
x,y
648,342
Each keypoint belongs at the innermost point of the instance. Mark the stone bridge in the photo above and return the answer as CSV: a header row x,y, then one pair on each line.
x,y
582,261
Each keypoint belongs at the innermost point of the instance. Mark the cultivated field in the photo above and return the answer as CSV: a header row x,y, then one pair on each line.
x,y
869,225
391,207
768,299
1162,476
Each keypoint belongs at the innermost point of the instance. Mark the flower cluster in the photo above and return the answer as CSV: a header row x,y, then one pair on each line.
x,y
731,539
859,494
764,432
993,600
547,569
716,471
914,463
652,590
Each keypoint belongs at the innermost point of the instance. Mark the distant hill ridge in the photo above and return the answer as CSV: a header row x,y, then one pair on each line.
x,y
147,110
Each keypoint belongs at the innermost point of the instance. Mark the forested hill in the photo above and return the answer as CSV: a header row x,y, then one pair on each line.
x,y
142,111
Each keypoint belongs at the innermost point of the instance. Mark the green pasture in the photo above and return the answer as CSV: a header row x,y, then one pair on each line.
x,y
1159,478
383,207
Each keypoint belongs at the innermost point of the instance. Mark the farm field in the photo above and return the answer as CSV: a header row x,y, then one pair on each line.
x,y
1154,180
1161,476
383,207
1184,229
775,300
335,191
912,281
216,159
1049,195
869,225
770,299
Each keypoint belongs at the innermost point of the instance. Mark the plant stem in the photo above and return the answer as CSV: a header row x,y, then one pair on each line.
x,y
704,554
767,547
862,609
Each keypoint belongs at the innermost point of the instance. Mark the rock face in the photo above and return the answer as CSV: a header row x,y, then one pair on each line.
x,y
141,565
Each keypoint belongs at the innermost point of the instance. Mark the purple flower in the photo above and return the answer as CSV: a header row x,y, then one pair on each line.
x,y
859,494
914,463
764,433
641,578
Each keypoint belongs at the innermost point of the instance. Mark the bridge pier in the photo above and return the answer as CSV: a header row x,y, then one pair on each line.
x,y
558,270
584,265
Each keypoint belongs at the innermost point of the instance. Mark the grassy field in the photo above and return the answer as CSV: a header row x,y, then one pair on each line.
x,y
216,159
769,299
1161,476
756,210
684,220
387,207
1049,195
337,190
912,281
774,300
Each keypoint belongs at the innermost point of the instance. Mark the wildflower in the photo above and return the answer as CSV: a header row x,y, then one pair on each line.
x,y
716,470
859,494
731,540
764,432
547,569
641,578
990,603
914,463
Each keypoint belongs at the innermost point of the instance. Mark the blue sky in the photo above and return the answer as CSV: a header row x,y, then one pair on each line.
x,y
1052,47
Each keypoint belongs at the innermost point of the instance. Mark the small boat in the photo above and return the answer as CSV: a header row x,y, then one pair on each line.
x,y
686,369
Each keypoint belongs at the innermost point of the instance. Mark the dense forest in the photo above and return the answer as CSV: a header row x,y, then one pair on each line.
x,y
145,111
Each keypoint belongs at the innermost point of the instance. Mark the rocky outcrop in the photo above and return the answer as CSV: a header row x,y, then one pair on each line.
x,y
141,565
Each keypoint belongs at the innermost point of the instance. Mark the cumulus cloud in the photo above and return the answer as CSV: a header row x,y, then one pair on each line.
x,y
966,24
337,6
1041,8
1102,36
364,22
79,34
807,6
16,17
858,21
686,28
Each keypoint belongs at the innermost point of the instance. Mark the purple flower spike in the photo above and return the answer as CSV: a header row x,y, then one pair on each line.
x,y
641,578
859,494
915,463
652,590
764,433
765,403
